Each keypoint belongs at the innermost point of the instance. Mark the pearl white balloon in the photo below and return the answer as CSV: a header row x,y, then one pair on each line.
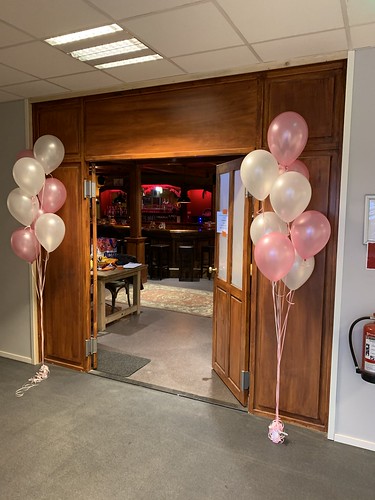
x,y
22,206
50,231
50,151
290,195
29,175
265,223
300,272
259,170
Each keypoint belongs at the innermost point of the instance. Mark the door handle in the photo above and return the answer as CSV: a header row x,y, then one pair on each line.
x,y
212,270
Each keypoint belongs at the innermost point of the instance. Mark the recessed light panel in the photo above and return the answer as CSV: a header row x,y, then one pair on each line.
x,y
84,35
112,42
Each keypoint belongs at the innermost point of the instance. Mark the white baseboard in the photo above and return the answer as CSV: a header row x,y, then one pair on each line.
x,y
359,443
16,357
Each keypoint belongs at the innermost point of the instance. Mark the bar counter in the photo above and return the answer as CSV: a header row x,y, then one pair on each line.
x,y
174,236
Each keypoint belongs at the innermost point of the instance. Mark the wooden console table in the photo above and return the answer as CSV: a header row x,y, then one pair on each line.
x,y
114,275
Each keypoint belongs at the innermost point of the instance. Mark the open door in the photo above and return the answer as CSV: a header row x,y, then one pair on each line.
x,y
230,343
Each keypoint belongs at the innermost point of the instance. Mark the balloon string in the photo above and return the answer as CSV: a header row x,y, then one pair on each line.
x,y
276,429
39,281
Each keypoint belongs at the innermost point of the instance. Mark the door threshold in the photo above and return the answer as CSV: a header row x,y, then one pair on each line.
x,y
167,390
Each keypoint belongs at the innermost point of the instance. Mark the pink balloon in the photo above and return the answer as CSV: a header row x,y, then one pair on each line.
x,y
310,233
25,153
287,137
25,244
52,196
274,255
298,166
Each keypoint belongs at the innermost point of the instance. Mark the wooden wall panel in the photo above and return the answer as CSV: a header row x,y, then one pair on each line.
x,y
314,93
192,119
67,297
306,358
63,120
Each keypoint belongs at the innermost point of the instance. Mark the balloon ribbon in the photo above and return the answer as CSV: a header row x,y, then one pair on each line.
x,y
276,431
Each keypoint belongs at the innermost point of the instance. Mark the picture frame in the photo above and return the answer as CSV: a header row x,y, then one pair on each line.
x,y
369,219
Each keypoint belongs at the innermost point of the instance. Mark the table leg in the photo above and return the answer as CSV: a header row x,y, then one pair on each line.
x,y
101,306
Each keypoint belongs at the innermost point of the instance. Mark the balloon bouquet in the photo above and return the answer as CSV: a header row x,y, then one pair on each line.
x,y
34,203
287,238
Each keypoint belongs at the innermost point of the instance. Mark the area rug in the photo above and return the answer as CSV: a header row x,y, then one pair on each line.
x,y
169,298
118,364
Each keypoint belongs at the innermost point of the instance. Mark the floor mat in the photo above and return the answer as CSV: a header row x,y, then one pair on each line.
x,y
118,364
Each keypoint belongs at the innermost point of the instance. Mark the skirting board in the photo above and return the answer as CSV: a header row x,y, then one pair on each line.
x,y
359,443
16,357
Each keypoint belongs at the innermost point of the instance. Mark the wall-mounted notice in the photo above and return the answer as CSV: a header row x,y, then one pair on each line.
x,y
370,258
222,222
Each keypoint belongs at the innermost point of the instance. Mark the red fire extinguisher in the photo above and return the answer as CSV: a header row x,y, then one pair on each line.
x,y
367,370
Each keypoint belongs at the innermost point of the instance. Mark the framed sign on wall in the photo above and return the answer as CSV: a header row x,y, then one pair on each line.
x,y
369,220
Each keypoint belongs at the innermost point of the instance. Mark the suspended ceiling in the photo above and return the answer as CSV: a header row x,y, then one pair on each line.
x,y
196,38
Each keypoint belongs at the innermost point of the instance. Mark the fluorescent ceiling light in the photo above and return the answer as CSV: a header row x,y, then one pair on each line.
x,y
108,50
134,60
83,35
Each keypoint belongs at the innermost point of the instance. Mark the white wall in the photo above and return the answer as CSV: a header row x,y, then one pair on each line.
x,y
352,399
15,313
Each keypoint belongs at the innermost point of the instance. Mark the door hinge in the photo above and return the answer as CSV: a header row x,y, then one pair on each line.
x,y
245,380
89,189
91,346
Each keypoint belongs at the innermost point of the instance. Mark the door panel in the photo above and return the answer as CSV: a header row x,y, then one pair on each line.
x,y
230,346
67,286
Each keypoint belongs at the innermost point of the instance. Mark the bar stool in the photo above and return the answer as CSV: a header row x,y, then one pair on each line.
x,y
159,261
186,265
207,259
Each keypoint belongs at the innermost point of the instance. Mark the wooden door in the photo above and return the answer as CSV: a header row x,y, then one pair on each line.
x,y
230,346
67,288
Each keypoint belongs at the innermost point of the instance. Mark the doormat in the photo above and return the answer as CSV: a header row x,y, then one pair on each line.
x,y
169,298
117,364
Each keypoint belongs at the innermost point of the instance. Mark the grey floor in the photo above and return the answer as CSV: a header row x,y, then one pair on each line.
x,y
75,436
179,346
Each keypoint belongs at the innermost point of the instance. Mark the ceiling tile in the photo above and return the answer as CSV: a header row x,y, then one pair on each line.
x,y
35,89
363,36
39,59
10,35
302,46
44,18
145,71
5,97
119,9
235,57
9,76
86,81
361,12
195,28
259,21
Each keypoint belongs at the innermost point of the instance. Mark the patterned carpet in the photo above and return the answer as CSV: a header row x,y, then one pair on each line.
x,y
198,302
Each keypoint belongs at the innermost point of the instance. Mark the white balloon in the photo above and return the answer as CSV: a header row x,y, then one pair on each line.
x,y
50,231
300,272
50,151
23,207
290,195
265,223
29,175
259,170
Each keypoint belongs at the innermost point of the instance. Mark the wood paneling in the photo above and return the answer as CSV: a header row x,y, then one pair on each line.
x,y
215,117
316,94
306,358
62,119
66,296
